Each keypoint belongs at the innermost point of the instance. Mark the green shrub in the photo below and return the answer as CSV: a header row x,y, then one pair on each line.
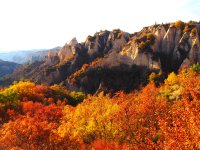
x,y
76,98
144,43
59,90
196,68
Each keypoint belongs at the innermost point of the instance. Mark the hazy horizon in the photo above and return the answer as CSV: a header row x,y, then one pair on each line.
x,y
42,24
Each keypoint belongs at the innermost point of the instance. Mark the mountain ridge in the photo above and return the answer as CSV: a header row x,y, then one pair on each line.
x,y
92,64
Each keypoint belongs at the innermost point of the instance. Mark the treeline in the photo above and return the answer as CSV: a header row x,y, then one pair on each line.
x,y
165,116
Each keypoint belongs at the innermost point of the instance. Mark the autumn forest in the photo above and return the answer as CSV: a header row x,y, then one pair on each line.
x,y
165,115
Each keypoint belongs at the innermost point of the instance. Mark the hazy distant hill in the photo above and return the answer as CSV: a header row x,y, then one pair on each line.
x,y
7,67
26,56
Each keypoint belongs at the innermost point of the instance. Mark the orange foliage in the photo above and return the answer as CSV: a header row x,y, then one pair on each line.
x,y
100,144
26,133
165,117
139,117
50,113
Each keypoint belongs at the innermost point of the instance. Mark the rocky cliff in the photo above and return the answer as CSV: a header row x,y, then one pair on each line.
x,y
114,60
173,46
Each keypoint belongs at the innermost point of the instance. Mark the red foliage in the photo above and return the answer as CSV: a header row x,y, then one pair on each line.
x,y
50,113
100,145
164,117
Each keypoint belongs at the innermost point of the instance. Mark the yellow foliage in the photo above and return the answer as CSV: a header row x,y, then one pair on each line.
x,y
90,119
172,79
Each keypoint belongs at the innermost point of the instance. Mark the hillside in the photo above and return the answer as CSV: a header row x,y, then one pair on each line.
x,y
47,117
7,67
115,91
116,60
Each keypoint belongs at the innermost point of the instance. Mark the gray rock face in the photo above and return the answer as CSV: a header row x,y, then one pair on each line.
x,y
171,49
68,51
52,58
159,35
73,42
170,41
101,43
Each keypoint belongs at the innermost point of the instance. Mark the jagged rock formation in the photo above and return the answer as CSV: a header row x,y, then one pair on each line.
x,y
52,58
68,51
173,46
59,66
114,60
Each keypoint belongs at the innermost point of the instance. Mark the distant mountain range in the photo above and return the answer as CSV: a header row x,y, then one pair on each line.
x,y
116,60
25,56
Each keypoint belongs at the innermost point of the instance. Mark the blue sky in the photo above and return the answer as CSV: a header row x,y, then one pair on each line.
x,y
35,24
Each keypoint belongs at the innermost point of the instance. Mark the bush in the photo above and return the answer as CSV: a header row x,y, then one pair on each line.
x,y
117,33
59,91
144,43
151,38
91,38
76,98
157,78
196,68
179,25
